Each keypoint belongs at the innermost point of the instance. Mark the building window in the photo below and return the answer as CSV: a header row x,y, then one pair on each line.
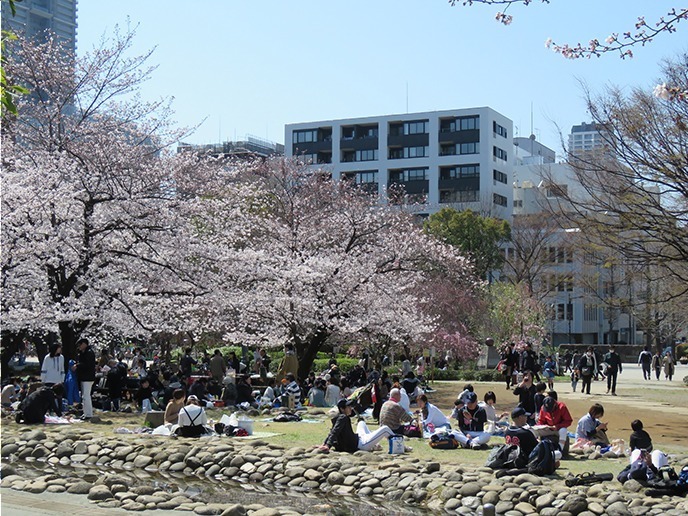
x,y
454,196
308,159
499,199
518,203
460,171
366,177
406,128
366,155
589,313
464,123
408,152
459,149
498,176
408,174
499,130
565,283
307,136
565,311
499,153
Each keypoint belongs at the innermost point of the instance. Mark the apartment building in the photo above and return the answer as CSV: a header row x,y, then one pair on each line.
x,y
460,158
34,17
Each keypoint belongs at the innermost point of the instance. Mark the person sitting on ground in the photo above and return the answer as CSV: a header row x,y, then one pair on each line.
x,y
345,388
200,390
539,397
556,418
192,418
411,385
521,434
229,391
9,393
292,388
432,416
640,439
332,393
342,437
405,401
316,396
467,390
590,428
174,407
458,408
144,397
244,391
39,403
488,403
139,370
269,392
392,414
472,419
644,466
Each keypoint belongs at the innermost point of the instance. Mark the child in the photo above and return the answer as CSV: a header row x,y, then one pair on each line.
x,y
575,375
640,439
458,408
539,397
549,371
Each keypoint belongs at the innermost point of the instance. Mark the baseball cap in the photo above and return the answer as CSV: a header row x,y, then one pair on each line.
x,y
518,412
192,398
472,397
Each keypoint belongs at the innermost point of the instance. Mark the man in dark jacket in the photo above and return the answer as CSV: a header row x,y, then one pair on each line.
x,y
342,437
614,367
85,368
526,395
116,378
37,404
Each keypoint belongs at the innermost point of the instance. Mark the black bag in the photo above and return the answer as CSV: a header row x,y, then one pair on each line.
x,y
541,460
505,456
287,417
412,431
443,442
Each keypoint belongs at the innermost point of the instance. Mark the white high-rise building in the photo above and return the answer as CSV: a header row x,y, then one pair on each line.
x,y
35,16
460,158
586,137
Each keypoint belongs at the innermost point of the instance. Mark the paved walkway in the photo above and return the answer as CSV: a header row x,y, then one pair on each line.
x,y
18,503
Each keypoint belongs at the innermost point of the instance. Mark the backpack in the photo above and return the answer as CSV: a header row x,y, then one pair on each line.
x,y
541,460
413,431
443,442
504,456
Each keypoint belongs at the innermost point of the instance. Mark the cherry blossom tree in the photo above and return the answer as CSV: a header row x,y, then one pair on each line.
x,y
86,216
321,258
641,34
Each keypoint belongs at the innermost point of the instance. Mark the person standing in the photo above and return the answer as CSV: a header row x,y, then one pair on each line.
x,y
587,366
526,395
509,361
657,364
217,366
529,361
289,364
186,363
644,360
86,374
668,366
614,367
53,368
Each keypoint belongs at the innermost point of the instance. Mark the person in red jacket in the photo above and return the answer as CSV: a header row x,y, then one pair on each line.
x,y
555,418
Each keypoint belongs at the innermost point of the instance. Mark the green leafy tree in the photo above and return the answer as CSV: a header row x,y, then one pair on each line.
x,y
472,233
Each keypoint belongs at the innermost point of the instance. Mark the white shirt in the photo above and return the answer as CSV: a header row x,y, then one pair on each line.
x,y
435,416
53,369
405,401
489,410
192,415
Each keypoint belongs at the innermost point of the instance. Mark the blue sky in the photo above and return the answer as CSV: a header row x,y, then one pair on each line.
x,y
250,67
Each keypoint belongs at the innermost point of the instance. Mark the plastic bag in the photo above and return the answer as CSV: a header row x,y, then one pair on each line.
x,y
396,445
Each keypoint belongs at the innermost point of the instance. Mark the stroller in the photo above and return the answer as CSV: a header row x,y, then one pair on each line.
x,y
363,397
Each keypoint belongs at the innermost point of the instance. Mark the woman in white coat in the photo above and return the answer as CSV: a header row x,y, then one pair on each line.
x,y
53,367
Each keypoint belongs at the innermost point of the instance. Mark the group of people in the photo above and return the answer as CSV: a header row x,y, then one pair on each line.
x,y
656,363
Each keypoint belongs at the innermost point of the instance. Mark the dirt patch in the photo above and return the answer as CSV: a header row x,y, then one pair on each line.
x,y
662,408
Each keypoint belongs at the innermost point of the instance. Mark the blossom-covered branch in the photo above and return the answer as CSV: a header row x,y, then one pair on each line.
x,y
642,34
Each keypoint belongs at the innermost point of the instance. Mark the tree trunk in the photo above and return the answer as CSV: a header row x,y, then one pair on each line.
x,y
10,345
69,333
308,350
